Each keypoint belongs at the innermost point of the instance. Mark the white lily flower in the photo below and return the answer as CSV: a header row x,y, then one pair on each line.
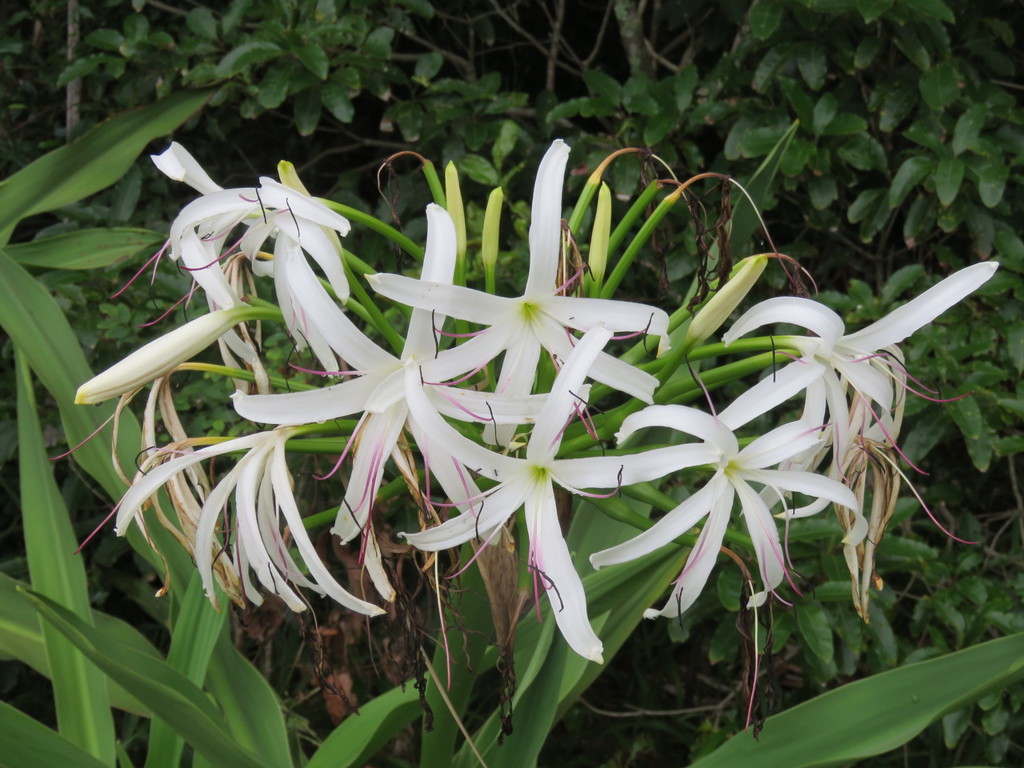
x,y
262,489
858,359
529,483
378,392
539,318
735,469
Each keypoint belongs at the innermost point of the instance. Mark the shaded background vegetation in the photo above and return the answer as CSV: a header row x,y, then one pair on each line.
x,y
905,166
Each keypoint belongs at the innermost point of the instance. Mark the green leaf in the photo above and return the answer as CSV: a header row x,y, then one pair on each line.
x,y
873,716
745,219
603,86
935,8
336,99
816,630
764,17
356,740
307,110
822,191
1010,249
505,142
967,415
80,68
479,169
27,743
91,163
911,173
939,85
21,638
166,692
428,65
895,107
813,66
949,173
314,59
824,112
870,10
85,248
992,175
968,127
903,279
245,55
863,152
274,86
866,51
845,124
79,689
202,23
193,638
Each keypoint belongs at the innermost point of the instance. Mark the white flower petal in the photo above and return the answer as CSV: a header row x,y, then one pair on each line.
x,y
557,574
451,300
177,163
701,561
483,517
546,220
311,407
674,524
563,400
917,313
773,390
789,309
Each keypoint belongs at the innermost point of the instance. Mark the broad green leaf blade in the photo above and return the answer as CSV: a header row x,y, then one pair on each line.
x,y
193,638
745,220
21,638
30,316
93,162
85,248
356,739
27,743
249,705
79,688
168,693
873,716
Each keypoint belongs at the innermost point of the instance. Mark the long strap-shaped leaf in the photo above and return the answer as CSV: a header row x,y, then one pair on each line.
x,y
27,743
873,716
79,688
168,693
93,162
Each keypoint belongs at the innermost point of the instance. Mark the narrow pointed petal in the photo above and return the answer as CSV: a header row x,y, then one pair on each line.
x,y
451,300
483,517
868,381
917,313
681,418
557,574
563,400
674,524
299,207
438,267
765,539
640,467
320,574
312,407
546,220
619,316
807,483
789,309
348,341
701,561
781,443
771,391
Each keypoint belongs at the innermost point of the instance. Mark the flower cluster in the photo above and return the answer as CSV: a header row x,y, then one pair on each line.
x,y
476,447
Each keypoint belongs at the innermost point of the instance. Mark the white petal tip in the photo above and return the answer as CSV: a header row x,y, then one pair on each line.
x,y
652,613
757,600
